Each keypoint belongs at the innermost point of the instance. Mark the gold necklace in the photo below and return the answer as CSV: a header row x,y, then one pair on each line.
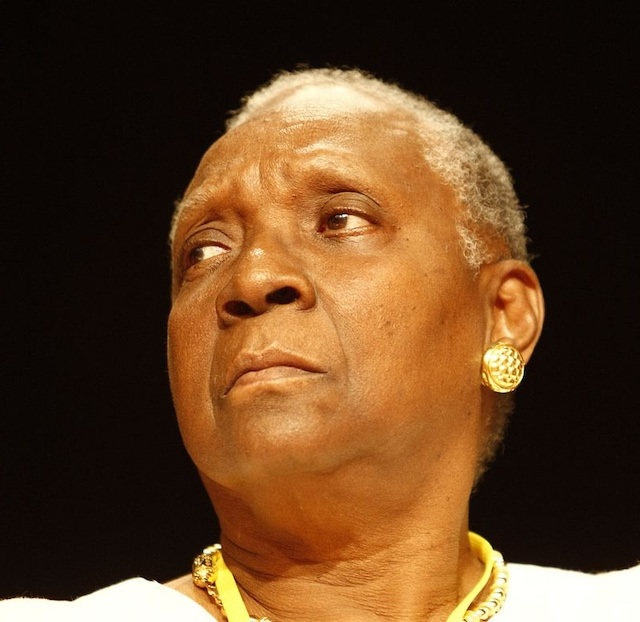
x,y
209,571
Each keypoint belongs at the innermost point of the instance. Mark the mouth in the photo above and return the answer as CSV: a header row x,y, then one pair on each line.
x,y
268,366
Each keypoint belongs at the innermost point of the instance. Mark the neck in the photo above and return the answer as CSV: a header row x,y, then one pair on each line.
x,y
370,553
395,583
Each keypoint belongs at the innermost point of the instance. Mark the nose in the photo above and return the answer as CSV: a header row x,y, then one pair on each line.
x,y
265,276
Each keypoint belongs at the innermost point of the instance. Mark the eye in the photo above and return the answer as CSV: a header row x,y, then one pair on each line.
x,y
345,221
201,253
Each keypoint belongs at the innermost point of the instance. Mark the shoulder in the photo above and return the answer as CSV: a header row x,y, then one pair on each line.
x,y
185,586
550,594
131,600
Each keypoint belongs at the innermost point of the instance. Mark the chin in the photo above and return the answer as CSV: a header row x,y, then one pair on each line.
x,y
266,456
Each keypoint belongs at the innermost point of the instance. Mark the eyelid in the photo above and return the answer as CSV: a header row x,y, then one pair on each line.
x,y
205,238
353,204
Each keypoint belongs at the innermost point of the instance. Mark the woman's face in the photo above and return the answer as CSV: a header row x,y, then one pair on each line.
x,y
322,312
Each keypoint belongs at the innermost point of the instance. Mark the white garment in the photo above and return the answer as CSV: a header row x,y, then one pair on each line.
x,y
133,600
536,594
542,594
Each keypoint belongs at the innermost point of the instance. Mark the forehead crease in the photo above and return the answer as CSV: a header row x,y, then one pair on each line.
x,y
317,152
195,198
326,172
296,157
220,175
209,187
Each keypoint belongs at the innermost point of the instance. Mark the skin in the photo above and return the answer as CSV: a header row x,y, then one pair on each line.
x,y
324,352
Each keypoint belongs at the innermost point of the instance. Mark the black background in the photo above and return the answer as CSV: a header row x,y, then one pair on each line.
x,y
107,108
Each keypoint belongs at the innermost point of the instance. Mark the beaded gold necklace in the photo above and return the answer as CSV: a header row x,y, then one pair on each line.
x,y
210,572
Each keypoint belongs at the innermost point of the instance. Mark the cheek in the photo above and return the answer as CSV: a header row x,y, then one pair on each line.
x,y
406,341
189,352
188,344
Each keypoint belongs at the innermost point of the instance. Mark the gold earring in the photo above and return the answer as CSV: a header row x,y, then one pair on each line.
x,y
502,367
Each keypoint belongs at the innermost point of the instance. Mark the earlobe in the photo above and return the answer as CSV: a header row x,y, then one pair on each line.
x,y
515,305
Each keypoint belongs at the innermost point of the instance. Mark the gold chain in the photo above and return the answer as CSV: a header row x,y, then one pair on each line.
x,y
204,576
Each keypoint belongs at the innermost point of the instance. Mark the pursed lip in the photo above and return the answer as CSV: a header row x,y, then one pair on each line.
x,y
258,361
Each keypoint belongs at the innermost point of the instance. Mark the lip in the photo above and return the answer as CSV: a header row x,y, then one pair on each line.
x,y
266,366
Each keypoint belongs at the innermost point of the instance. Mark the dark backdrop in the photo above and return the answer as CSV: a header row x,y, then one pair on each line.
x,y
107,108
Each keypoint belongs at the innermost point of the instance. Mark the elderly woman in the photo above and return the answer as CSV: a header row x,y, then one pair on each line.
x,y
352,309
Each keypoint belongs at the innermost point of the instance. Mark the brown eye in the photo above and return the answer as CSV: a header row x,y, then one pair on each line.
x,y
343,221
337,221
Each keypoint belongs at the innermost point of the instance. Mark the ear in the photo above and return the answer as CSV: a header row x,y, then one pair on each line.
x,y
514,305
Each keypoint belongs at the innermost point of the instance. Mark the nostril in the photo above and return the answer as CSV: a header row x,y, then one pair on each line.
x,y
283,296
238,308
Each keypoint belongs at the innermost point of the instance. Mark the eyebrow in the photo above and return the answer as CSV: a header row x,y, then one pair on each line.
x,y
195,199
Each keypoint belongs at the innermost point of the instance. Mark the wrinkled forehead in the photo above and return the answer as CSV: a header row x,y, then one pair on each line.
x,y
305,132
308,133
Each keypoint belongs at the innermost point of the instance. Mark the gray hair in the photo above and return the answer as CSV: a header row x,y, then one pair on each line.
x,y
479,179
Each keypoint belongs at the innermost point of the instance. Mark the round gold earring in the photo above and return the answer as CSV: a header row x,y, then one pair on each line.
x,y
502,367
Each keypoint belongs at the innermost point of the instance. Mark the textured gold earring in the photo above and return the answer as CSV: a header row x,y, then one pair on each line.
x,y
502,367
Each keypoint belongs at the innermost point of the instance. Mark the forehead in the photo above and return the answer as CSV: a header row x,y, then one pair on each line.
x,y
311,141
314,128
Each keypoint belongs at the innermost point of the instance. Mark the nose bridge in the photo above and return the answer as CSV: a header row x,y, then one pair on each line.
x,y
267,253
266,273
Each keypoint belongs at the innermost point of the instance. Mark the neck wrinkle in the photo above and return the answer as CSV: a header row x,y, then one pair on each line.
x,y
400,583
